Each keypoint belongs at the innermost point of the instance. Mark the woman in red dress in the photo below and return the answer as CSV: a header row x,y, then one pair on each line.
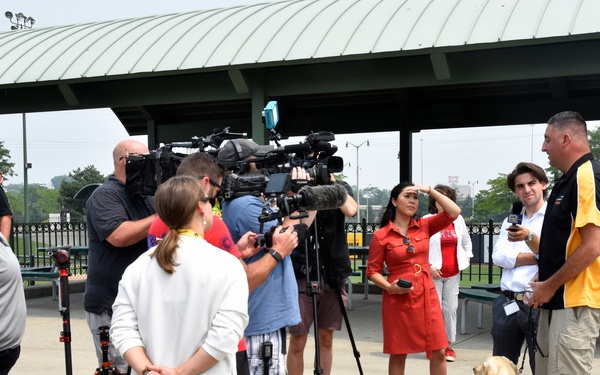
x,y
412,317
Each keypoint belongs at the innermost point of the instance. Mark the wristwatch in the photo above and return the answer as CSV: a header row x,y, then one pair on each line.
x,y
275,255
529,237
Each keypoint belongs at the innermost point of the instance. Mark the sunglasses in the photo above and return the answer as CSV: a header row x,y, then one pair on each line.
x,y
211,181
210,199
410,248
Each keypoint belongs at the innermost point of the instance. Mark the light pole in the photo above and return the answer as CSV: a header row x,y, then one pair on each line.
x,y
357,173
473,196
24,22
421,161
368,195
21,21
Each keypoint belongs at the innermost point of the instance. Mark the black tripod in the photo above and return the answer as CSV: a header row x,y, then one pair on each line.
x,y
106,368
313,289
61,258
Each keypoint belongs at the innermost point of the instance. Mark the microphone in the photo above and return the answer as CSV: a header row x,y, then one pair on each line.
x,y
326,147
515,214
292,149
323,197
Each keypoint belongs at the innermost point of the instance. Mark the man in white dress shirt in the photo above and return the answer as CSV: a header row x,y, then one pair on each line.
x,y
516,251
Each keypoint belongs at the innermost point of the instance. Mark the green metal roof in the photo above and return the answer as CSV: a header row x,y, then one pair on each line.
x,y
283,33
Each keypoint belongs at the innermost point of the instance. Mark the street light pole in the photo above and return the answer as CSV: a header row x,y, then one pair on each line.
x,y
473,196
357,175
21,22
25,168
421,161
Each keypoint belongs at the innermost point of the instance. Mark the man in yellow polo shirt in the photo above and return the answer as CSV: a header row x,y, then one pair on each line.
x,y
568,290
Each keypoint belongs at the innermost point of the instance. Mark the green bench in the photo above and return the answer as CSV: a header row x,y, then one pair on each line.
x,y
47,273
481,296
349,284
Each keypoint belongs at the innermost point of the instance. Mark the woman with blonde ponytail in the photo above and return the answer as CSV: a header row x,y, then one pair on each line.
x,y
178,310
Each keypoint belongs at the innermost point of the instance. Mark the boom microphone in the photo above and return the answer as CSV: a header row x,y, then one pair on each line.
x,y
323,197
326,147
515,214
289,149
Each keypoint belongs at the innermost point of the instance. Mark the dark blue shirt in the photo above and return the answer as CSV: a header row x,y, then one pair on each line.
x,y
109,206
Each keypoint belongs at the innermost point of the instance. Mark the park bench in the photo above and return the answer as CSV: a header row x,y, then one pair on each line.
x,y
481,297
43,273
349,283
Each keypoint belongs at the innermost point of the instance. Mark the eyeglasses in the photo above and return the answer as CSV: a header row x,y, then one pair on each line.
x,y
211,181
210,199
410,248
129,154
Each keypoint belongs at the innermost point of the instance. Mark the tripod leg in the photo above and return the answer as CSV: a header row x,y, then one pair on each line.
x,y
338,290
66,333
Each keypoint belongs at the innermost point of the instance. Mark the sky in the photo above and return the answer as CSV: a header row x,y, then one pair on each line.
x,y
61,142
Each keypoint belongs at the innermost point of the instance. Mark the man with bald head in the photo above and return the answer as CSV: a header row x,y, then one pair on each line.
x,y
568,291
117,223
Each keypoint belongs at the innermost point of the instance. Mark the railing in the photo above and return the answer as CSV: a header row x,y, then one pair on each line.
x,y
483,238
27,238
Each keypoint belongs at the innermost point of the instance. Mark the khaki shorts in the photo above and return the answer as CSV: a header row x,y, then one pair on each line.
x,y
568,340
329,314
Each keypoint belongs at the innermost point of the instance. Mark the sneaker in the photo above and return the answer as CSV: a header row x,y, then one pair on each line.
x,y
450,354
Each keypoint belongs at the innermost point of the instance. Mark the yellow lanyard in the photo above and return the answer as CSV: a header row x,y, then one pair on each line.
x,y
189,232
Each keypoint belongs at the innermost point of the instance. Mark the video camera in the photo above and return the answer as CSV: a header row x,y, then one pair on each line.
x,y
314,154
147,171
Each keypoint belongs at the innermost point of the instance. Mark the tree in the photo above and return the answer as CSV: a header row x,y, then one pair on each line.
x,y
57,180
466,207
68,189
42,201
494,202
6,167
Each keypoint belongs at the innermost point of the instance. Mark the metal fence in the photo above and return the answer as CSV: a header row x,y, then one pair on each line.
x,y
483,237
26,239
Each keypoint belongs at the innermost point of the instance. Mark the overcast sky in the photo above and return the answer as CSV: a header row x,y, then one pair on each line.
x,y
60,142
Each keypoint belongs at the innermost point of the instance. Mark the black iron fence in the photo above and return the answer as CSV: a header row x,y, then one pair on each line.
x,y
29,240
483,237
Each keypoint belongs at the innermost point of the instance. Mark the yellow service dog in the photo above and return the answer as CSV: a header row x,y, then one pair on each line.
x,y
497,365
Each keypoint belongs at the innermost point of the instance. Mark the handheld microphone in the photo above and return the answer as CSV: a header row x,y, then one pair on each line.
x,y
515,214
323,197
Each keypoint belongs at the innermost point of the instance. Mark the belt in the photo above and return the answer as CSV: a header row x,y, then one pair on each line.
x,y
518,296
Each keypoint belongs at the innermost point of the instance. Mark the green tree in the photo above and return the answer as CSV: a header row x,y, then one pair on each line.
x,y
494,202
57,180
68,189
6,167
466,207
42,201
594,137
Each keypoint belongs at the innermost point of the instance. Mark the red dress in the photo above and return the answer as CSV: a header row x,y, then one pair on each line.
x,y
412,322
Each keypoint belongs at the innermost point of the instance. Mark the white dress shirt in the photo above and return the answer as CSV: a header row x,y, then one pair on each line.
x,y
505,254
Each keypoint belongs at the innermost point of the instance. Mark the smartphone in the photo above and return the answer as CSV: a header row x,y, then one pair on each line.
x,y
404,283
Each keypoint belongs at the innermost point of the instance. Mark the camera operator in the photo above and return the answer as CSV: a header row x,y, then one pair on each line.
x,y
210,174
273,306
334,268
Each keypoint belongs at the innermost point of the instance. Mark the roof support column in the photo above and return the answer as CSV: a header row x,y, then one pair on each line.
x,y
259,98
152,136
405,154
